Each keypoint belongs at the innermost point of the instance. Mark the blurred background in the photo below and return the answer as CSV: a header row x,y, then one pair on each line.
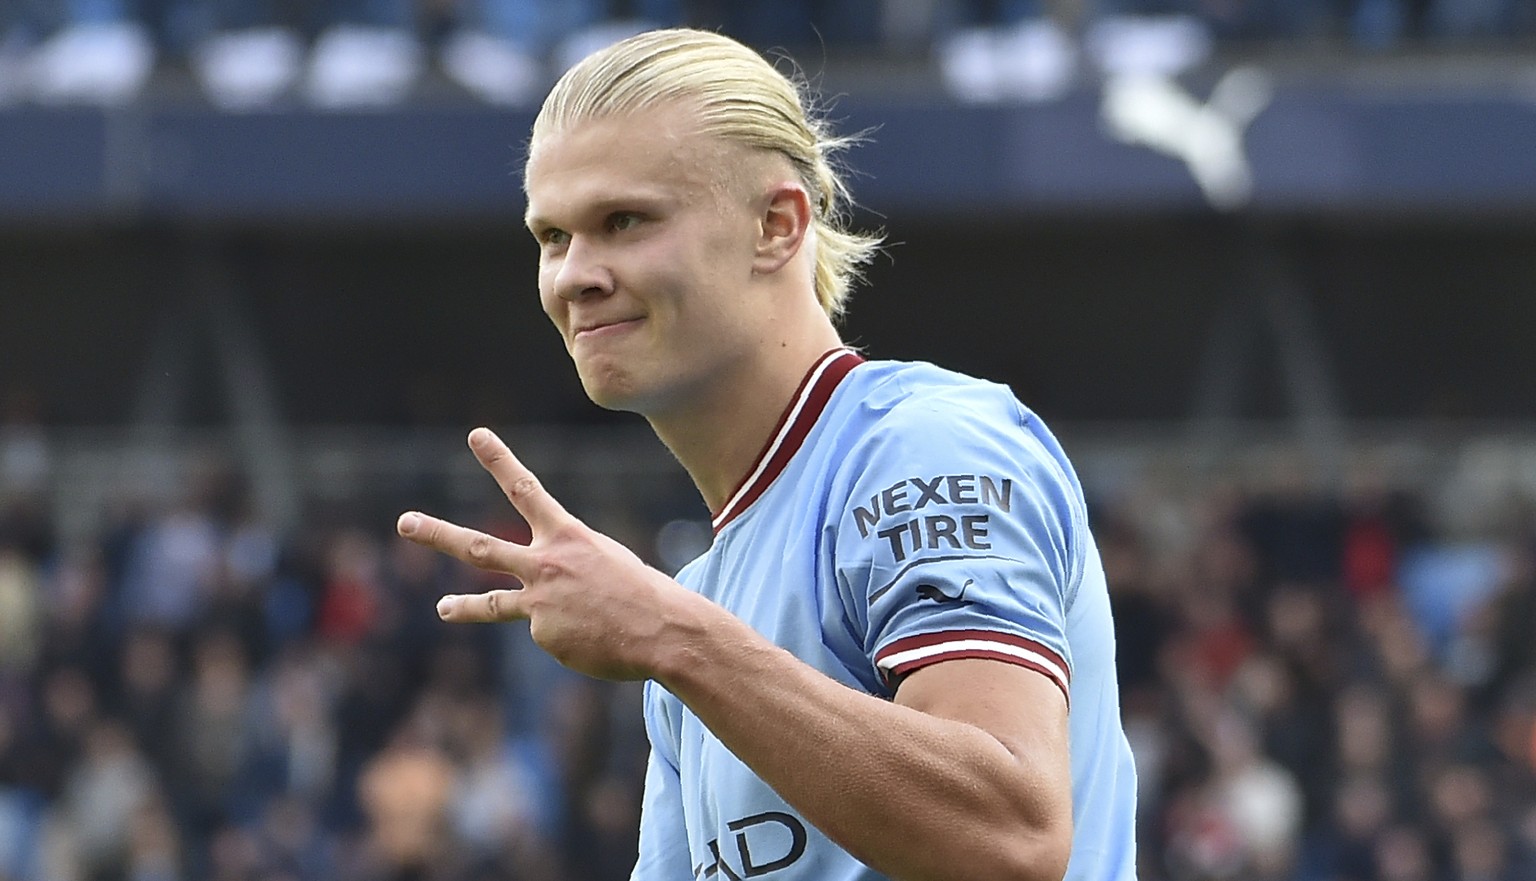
x,y
1267,266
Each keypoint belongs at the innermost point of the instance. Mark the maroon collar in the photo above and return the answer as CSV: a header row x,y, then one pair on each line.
x,y
794,424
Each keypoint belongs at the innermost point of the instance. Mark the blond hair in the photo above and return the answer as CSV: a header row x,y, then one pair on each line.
x,y
740,98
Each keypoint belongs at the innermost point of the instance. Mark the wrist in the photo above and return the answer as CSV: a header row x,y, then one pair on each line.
x,y
698,636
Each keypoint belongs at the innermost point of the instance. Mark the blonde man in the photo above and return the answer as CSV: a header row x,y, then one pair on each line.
x,y
868,674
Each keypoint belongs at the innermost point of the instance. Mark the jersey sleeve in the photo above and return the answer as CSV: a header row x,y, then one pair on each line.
x,y
961,538
663,838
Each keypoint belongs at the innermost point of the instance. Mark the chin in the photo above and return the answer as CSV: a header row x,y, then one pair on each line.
x,y
611,391
627,397
612,402
621,384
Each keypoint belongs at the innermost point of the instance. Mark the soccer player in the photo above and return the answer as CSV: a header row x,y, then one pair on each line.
x,y
896,659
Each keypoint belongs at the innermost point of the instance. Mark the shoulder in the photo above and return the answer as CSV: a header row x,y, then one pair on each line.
x,y
914,408
955,525
927,443
897,392
906,415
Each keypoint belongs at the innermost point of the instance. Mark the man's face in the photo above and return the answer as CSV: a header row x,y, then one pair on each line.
x,y
646,239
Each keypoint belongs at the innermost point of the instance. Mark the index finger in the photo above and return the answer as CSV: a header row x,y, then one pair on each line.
x,y
522,488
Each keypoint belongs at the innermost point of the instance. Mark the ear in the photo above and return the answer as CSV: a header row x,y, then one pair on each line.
x,y
784,222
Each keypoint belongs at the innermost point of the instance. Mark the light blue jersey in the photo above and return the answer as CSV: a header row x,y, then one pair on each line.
x,y
900,516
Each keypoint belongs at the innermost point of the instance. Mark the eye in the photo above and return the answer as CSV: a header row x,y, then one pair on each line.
x,y
552,236
623,220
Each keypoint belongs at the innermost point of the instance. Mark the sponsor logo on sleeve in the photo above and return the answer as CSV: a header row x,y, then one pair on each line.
x,y
910,515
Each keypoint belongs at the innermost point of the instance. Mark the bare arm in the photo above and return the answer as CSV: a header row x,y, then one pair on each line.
x,y
965,775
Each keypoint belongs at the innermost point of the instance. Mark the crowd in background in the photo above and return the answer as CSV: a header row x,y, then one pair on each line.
x,y
246,54
1318,686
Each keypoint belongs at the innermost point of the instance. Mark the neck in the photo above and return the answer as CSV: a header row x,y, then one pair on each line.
x,y
718,435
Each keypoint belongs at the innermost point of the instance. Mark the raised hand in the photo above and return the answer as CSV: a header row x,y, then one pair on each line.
x,y
590,602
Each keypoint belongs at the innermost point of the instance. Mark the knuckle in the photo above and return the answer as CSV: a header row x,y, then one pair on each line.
x,y
432,533
479,550
548,568
524,487
494,603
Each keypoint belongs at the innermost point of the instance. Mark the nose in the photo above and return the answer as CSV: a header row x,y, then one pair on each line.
x,y
582,271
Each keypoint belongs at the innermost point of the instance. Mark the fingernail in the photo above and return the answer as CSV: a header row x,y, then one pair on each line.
x,y
479,437
408,524
445,606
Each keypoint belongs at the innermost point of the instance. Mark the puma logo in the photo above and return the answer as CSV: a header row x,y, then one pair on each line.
x,y
937,594
1155,112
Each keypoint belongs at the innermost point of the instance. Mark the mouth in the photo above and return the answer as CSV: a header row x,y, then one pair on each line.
x,y
597,329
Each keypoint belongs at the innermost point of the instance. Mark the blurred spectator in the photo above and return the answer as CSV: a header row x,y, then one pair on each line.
x,y
1480,852
1006,51
98,51
81,628
55,740
499,52
407,792
1345,840
1525,860
104,796
1438,729
249,54
26,460
1509,614
368,54
492,812
249,564
146,697
1144,620
171,569
20,808
1364,734
293,743
291,843
1403,854
21,612
1260,799
211,731
352,601
154,848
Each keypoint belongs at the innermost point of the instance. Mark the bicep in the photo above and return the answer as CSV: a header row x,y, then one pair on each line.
x,y
1022,709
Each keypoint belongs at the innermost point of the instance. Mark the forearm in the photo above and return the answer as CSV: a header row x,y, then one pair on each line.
x,y
910,794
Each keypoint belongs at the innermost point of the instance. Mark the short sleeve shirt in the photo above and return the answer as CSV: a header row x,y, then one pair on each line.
x,y
901,515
